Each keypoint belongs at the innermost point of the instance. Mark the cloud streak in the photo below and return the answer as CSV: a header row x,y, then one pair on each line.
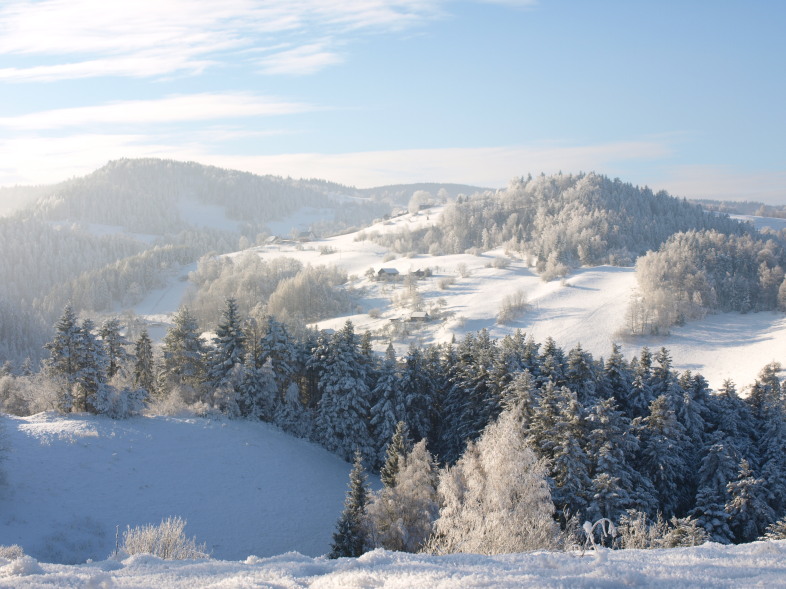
x,y
171,109
151,38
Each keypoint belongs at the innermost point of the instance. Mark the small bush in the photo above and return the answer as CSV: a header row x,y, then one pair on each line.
x,y
375,313
512,306
11,552
500,262
166,540
446,282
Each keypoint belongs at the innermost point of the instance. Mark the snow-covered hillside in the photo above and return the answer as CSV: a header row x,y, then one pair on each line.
x,y
244,487
760,564
465,292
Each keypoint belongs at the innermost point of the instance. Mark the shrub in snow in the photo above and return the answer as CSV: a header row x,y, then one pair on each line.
x,y
495,499
119,403
684,531
512,306
635,531
166,540
776,530
11,552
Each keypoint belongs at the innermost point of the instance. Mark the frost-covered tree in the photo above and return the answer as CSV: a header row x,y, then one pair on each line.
x,y
144,366
115,345
399,446
351,535
342,423
749,513
495,499
229,347
183,353
662,455
63,362
402,514
388,409
718,468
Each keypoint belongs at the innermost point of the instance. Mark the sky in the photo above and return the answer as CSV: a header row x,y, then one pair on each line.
x,y
688,97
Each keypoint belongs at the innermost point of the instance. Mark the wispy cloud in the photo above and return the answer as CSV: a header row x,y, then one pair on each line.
x,y
171,109
86,38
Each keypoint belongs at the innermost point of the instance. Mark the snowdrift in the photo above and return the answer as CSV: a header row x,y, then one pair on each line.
x,y
761,564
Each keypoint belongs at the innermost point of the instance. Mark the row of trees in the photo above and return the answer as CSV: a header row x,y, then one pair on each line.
x,y
562,221
614,435
700,271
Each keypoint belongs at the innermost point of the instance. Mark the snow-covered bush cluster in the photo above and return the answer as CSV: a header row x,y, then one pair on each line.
x,y
167,540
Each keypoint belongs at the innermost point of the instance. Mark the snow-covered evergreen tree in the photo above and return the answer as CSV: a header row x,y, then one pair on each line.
x,y
63,362
388,409
399,446
718,468
226,358
115,344
662,455
342,423
183,355
749,513
144,367
351,535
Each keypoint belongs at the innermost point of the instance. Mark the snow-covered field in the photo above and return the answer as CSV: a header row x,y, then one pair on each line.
x,y
760,564
244,487
586,308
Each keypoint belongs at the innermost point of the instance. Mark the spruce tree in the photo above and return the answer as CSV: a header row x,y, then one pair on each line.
x,y
183,354
144,367
350,537
399,446
749,513
115,344
388,408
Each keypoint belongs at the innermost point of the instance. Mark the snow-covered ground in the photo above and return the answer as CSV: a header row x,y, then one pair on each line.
x,y
760,564
244,487
588,307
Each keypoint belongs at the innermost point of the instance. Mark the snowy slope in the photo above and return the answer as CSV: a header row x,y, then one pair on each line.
x,y
760,564
244,487
588,307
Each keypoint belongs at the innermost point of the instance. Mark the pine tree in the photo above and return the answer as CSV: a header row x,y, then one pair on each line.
x,y
388,409
144,367
616,485
343,411
400,445
63,363
416,390
226,359
115,345
718,468
749,513
183,354
662,455
350,537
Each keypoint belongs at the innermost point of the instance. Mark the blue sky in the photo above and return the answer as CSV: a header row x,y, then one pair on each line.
x,y
683,96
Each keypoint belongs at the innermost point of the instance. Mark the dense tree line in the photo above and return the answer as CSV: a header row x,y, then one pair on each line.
x,y
616,437
699,271
562,221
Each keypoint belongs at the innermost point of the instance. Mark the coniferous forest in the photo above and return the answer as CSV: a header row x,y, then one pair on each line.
x,y
626,439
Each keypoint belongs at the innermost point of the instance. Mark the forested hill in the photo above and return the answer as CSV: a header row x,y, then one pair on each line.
x,y
163,197
564,221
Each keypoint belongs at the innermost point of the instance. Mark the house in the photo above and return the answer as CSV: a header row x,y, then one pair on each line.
x,y
419,316
387,273
272,240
